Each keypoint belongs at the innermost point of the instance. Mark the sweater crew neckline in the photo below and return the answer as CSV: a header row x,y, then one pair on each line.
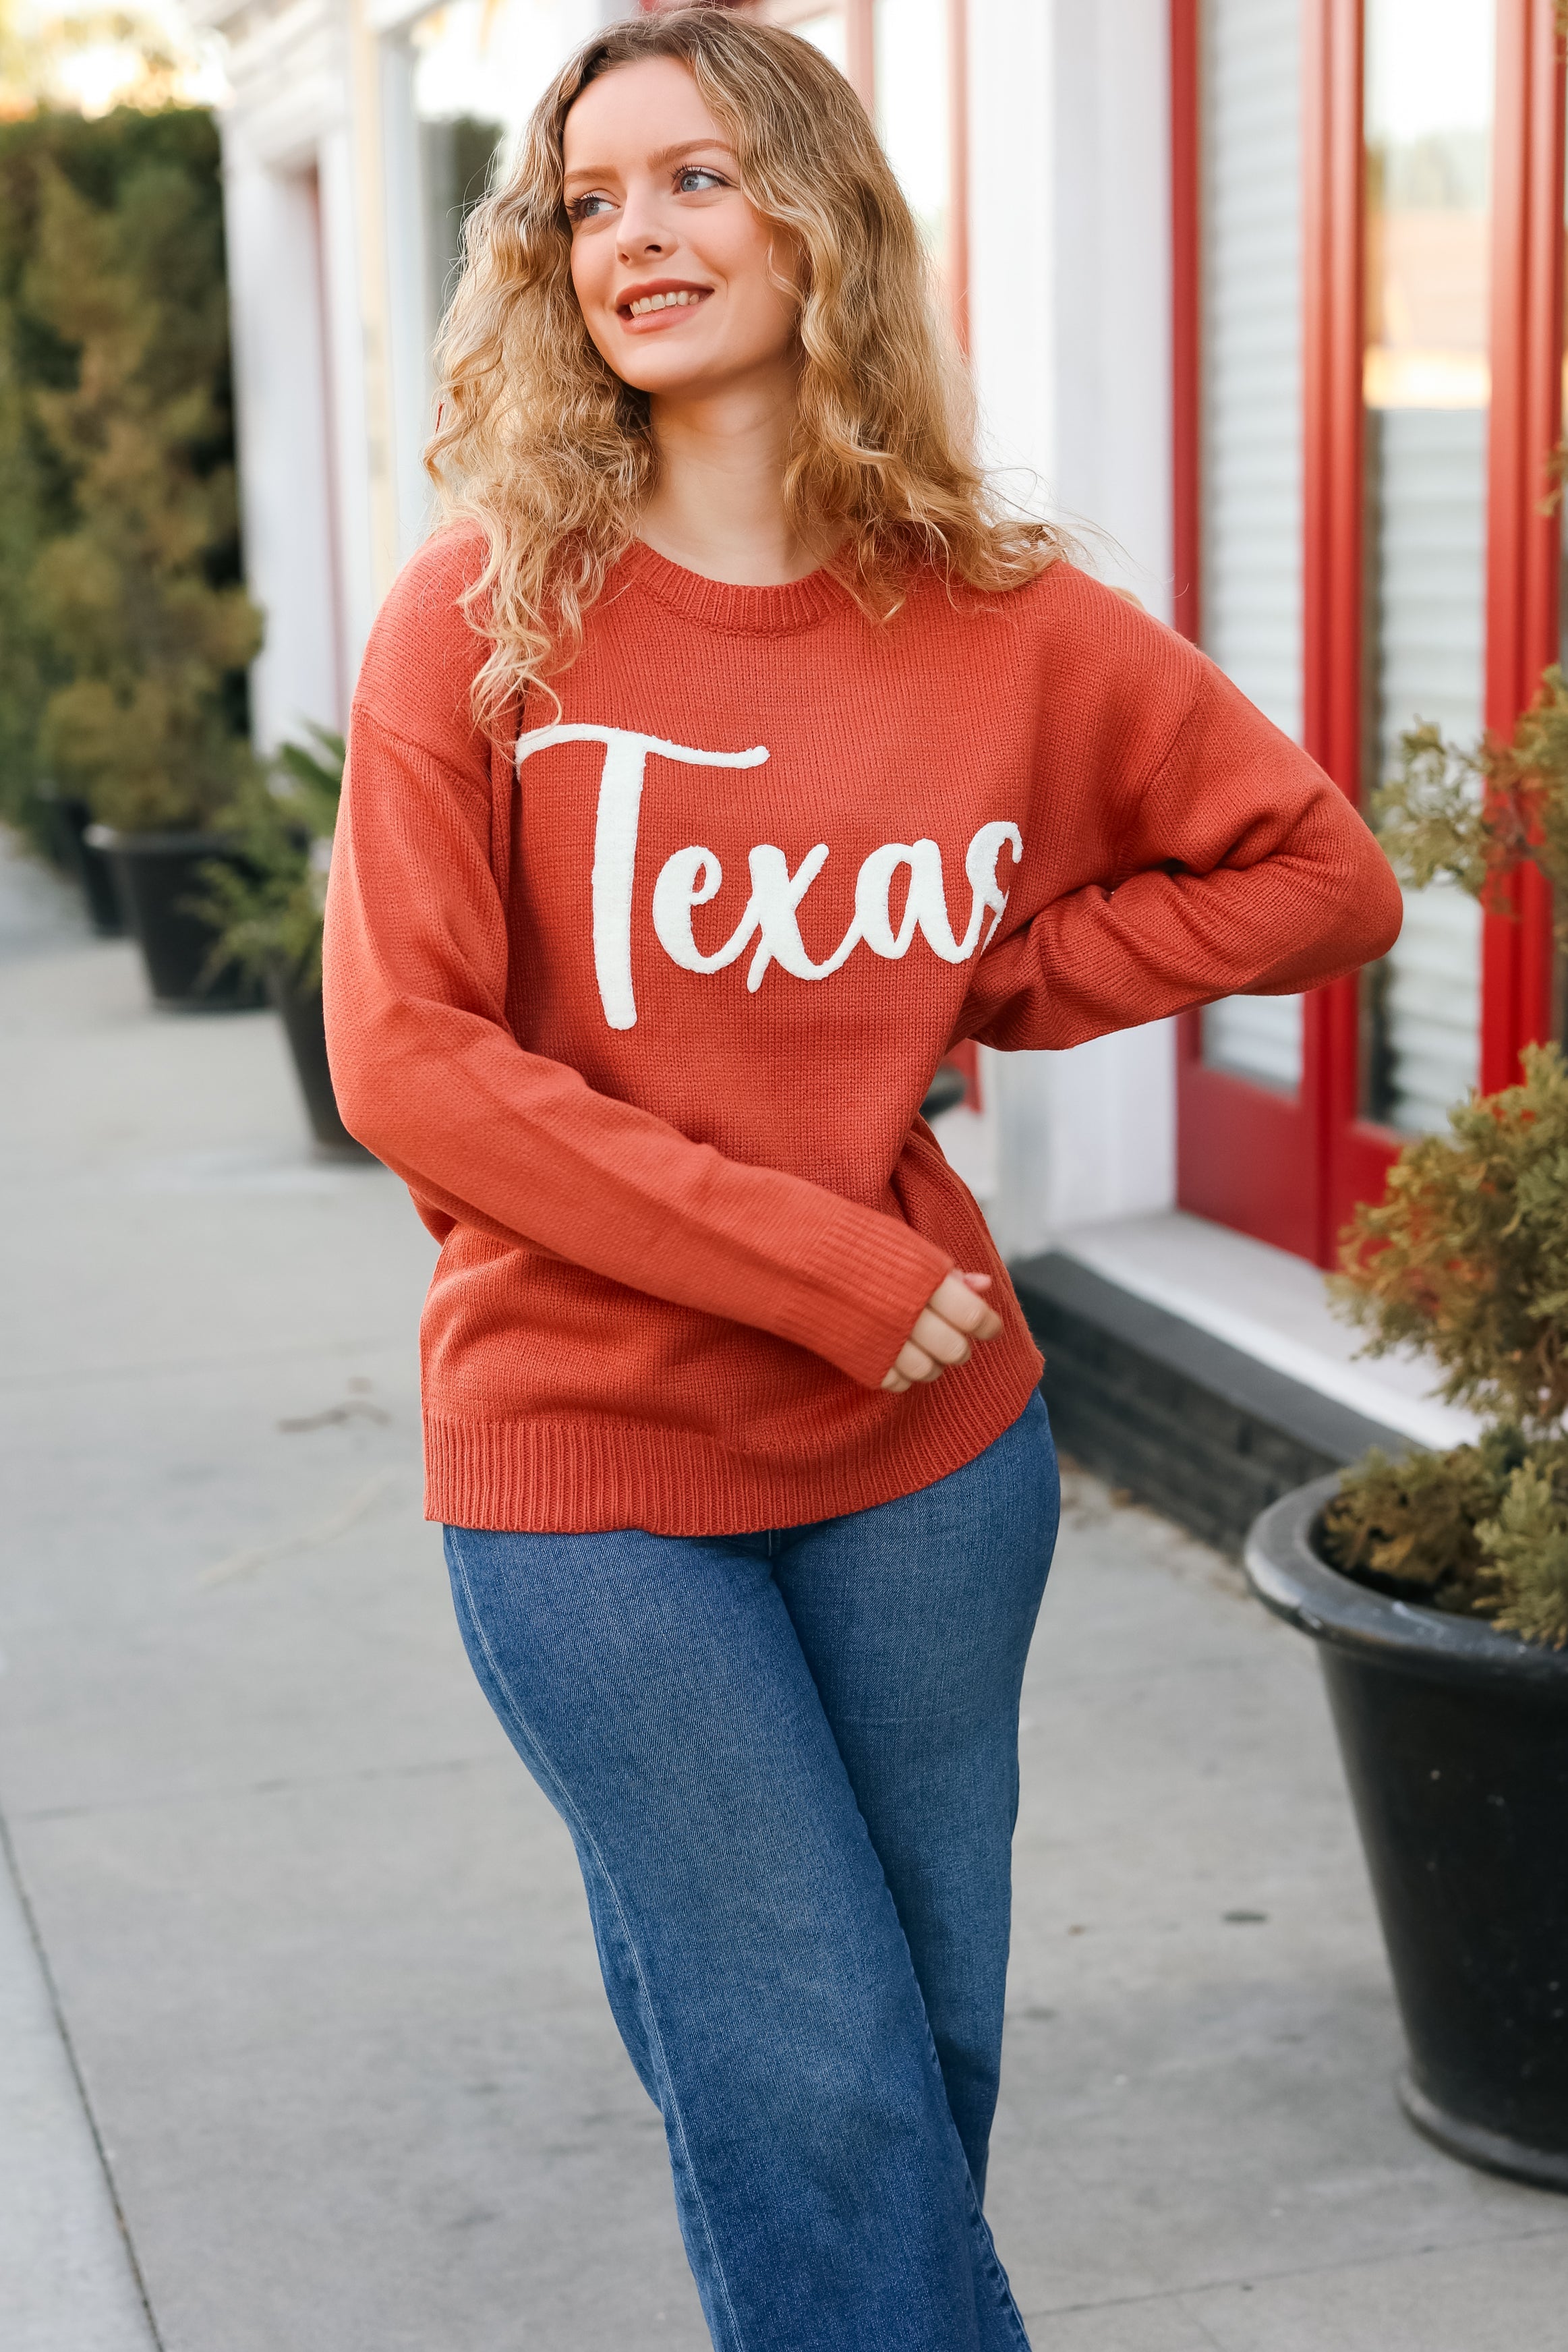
x,y
721,604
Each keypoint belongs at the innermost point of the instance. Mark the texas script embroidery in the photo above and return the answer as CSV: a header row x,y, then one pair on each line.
x,y
692,876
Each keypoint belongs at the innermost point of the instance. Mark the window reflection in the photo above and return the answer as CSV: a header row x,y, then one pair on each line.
x,y
912,113
1427,388
897,54
1251,463
458,87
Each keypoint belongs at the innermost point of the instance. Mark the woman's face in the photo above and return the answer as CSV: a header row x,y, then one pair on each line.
x,y
678,278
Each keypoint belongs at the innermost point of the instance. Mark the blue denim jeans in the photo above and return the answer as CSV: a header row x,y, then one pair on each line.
x,y
789,1763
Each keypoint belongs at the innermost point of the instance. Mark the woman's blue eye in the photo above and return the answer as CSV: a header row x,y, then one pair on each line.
x,y
697,171
585,207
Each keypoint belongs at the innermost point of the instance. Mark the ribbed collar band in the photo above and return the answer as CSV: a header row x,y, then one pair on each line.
x,y
718,604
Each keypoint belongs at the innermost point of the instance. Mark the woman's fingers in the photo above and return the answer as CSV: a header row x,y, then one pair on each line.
x,y
944,1329
939,1337
911,1364
957,1302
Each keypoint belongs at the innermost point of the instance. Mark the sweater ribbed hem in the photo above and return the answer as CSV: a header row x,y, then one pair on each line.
x,y
546,1477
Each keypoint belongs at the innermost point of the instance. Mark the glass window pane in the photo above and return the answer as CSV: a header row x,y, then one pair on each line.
x,y
457,89
909,72
1427,390
479,68
1250,461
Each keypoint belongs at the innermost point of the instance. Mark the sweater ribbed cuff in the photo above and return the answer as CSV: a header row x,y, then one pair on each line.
x,y
874,1275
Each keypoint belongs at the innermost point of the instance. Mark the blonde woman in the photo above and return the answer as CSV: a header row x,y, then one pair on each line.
x,y
727,757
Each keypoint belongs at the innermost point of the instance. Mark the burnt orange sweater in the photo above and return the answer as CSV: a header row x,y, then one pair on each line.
x,y
644,1018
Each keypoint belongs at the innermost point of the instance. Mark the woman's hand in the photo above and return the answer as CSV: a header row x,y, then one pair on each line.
x,y
955,1315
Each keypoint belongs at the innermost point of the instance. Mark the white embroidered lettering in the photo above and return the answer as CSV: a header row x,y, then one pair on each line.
x,y
690,878
925,908
980,865
775,895
874,886
615,841
694,877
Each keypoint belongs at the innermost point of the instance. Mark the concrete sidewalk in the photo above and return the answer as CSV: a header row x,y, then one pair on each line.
x,y
337,2056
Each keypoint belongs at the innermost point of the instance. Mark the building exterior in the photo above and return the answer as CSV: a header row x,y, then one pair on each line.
x,y
1263,297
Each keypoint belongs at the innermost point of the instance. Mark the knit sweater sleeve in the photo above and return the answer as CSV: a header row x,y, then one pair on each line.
x,y
431,1078
1237,867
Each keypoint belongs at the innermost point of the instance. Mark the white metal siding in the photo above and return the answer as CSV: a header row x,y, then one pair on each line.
x,y
1251,424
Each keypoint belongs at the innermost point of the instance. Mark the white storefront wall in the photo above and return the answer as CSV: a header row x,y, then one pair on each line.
x,y
1070,302
1069,330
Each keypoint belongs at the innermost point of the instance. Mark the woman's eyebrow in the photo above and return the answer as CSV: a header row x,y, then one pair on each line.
x,y
659,163
687,147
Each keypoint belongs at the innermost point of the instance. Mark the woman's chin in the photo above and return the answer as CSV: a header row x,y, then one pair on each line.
x,y
674,378
682,376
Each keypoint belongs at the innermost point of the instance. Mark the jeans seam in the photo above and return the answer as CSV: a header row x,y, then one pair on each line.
x,y
990,2263
991,2266
571,1814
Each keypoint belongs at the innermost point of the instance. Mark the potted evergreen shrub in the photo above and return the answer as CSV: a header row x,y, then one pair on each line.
x,y
264,906
136,595
1436,1586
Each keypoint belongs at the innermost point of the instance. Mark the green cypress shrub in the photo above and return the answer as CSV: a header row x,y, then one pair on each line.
x,y
124,630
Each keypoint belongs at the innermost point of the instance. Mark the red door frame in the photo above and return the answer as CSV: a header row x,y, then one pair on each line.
x,y
1353,1153
1524,546
1247,1156
1289,1170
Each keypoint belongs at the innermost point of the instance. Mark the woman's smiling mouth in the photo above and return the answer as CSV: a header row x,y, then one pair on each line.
x,y
644,304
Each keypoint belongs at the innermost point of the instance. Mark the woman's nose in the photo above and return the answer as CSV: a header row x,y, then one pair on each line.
x,y
642,233
637,244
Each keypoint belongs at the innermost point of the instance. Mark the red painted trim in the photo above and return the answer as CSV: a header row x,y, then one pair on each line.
x,y
859,51
1261,1161
1522,544
958,169
1245,1154
1333,294
966,1060
1353,1155
1186,316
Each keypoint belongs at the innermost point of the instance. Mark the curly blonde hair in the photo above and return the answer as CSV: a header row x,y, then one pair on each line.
x,y
541,444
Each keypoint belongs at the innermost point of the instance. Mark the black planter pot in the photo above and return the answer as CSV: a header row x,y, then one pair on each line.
x,y
1455,1742
67,821
158,876
301,1011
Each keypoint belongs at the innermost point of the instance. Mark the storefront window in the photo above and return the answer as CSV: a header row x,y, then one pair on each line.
x,y
1426,390
458,87
898,54
1250,433
911,112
